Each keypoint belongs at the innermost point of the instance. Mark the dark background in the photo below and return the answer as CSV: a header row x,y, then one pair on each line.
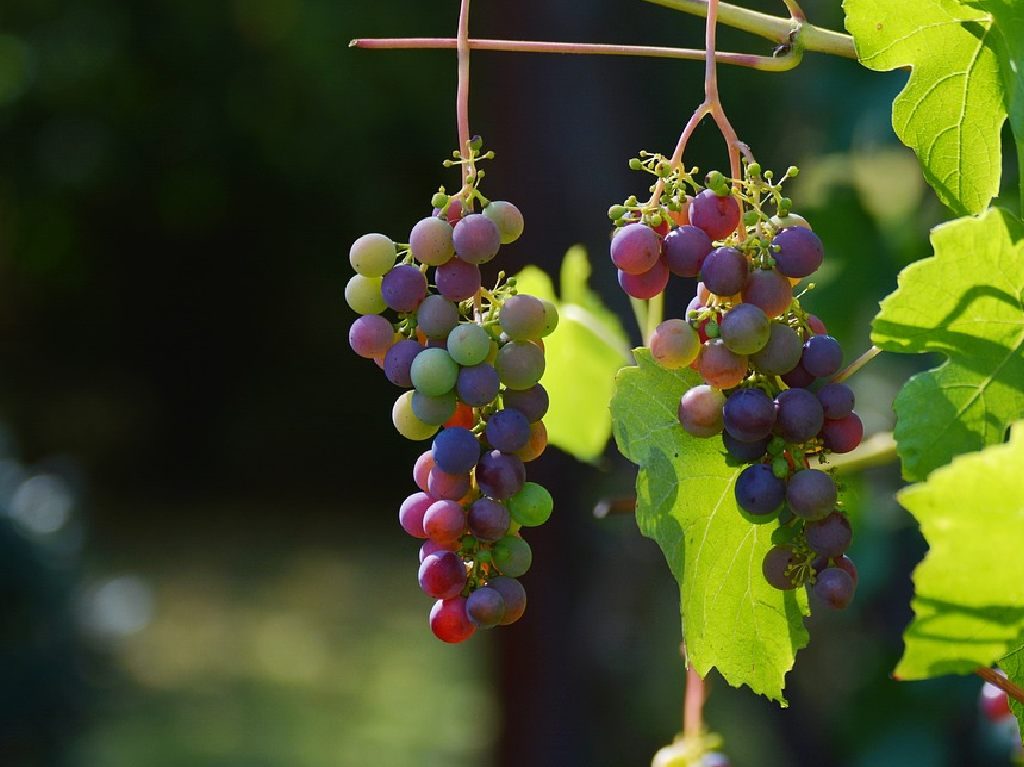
x,y
199,561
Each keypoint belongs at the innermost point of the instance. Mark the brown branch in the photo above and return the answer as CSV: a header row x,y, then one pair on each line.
x,y
995,678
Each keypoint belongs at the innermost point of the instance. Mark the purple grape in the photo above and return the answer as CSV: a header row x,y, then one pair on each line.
x,y
442,575
443,486
520,364
769,291
431,241
749,415
635,249
747,452
843,434
456,450
514,594
758,490
798,378
700,411
523,318
822,354
370,336
398,362
532,402
403,288
478,385
686,247
476,238
437,316
830,537
775,564
500,475
458,280
432,547
799,415
508,430
811,494
485,607
720,367
836,400
421,470
799,252
717,216
724,271
646,285
488,519
444,521
781,353
834,587
410,514
744,329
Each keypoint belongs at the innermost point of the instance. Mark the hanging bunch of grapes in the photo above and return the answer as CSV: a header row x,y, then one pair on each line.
x,y
765,362
470,359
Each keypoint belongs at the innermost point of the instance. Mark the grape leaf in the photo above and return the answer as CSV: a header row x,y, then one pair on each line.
x,y
732,619
969,590
582,355
954,104
966,303
1013,665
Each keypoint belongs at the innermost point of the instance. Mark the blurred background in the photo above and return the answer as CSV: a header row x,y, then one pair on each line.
x,y
199,556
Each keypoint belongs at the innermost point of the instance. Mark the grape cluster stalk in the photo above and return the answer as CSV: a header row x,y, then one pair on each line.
x,y
470,360
765,362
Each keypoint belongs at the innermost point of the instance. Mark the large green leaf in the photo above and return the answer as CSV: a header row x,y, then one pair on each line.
x,y
1013,665
582,355
954,104
969,590
965,302
732,619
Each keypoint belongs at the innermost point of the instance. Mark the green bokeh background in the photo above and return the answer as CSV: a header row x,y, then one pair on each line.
x,y
179,183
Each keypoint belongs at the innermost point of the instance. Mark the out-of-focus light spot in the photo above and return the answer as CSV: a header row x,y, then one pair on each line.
x,y
15,68
119,607
42,504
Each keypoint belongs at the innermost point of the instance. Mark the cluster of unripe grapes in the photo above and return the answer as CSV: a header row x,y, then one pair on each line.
x,y
764,360
471,360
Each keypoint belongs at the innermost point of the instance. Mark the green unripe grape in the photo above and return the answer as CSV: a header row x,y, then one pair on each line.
x,y
363,295
520,364
507,218
512,556
635,164
433,410
531,506
616,212
430,241
439,200
780,467
469,344
523,318
372,255
406,421
550,318
483,556
674,344
434,372
754,170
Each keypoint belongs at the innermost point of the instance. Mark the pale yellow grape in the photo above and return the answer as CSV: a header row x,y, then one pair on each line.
x,y
364,296
372,255
405,420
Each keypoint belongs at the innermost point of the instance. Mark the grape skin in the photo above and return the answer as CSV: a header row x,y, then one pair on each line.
x,y
523,318
647,285
531,506
724,271
774,566
744,329
457,280
830,537
520,364
799,415
781,353
488,519
799,253
430,241
363,296
769,291
444,521
476,239
410,514
635,249
719,366
532,402
404,288
500,475
685,249
507,430
433,410
748,415
442,575
468,344
406,422
456,450
514,596
798,378
822,355
507,218
717,216
536,445
433,372
398,362
443,486
758,491
485,607
700,411
512,556
371,336
478,385
372,255
449,621
833,587
674,344
811,494
836,400
844,434
421,470
436,315
747,452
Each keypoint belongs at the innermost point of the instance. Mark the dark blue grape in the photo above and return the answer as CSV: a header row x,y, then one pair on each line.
x,y
485,607
532,402
749,415
513,593
747,452
403,288
836,400
456,450
799,415
822,356
500,475
724,271
477,385
508,430
775,565
834,587
799,251
488,520
798,378
758,490
685,249
398,362
811,494
831,536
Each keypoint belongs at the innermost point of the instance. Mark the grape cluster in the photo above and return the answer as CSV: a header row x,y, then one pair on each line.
x,y
764,361
471,360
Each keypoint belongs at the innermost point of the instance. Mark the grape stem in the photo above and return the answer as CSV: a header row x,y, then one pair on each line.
x,y
462,95
857,364
876,450
693,701
993,677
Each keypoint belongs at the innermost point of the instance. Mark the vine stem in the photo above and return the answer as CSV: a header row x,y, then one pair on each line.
x,y
993,677
876,450
462,93
693,702
857,364
762,63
